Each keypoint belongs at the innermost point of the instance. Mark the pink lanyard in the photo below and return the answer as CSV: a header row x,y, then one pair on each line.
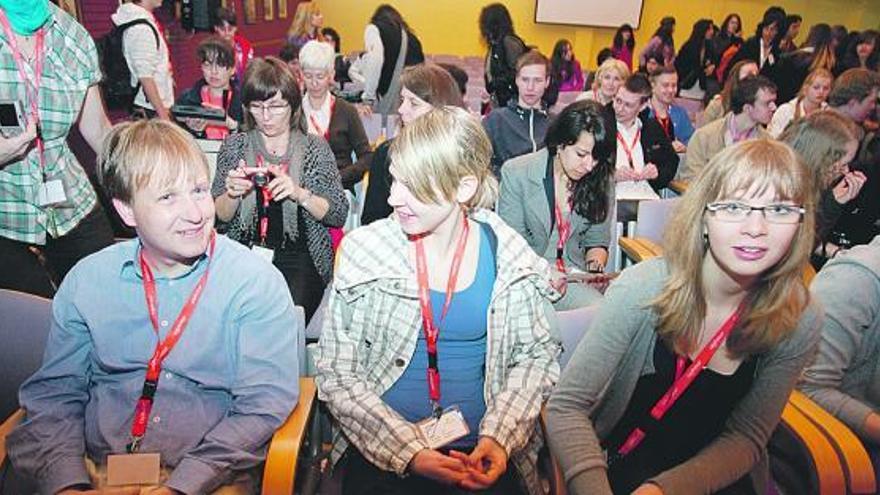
x,y
325,133
32,88
564,227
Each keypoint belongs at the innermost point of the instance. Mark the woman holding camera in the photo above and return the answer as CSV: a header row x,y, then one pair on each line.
x,y
559,199
277,188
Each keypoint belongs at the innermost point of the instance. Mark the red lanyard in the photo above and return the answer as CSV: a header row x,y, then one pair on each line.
x,y
264,196
631,148
430,328
564,226
665,123
682,380
32,88
325,133
208,101
163,347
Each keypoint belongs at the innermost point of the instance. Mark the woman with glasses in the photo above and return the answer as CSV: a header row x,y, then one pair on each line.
x,y
331,118
686,368
277,188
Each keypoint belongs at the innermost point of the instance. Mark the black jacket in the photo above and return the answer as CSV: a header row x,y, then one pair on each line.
x,y
656,148
500,80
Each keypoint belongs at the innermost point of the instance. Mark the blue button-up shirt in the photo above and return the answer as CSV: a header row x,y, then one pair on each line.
x,y
230,381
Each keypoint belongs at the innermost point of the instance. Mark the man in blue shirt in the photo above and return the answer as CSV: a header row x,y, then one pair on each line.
x,y
229,380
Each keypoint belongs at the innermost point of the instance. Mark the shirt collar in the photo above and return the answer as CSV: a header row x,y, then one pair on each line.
x,y
131,267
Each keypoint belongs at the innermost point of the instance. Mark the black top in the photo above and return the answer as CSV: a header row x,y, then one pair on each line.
x,y
501,76
379,188
391,40
656,148
694,421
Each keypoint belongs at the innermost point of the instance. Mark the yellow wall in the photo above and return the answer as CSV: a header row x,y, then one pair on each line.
x,y
450,26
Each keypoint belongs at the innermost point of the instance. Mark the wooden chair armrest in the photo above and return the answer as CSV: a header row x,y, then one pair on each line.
x,y
638,248
678,186
822,454
279,474
554,472
854,457
11,422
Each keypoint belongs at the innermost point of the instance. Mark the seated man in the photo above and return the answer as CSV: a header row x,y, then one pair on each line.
x,y
214,90
226,384
519,127
845,375
673,119
646,161
752,104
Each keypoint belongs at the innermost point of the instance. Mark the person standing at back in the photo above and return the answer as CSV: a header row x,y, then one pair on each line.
x,y
146,53
505,48
46,200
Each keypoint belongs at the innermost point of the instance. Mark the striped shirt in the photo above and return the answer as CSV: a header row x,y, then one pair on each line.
x,y
70,67
370,332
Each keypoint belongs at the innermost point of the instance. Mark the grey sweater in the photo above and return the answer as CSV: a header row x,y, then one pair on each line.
x,y
845,376
601,376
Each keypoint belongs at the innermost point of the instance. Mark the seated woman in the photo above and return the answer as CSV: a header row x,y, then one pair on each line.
x,y
214,90
609,78
442,260
559,199
277,188
331,118
811,98
845,374
826,142
423,87
685,370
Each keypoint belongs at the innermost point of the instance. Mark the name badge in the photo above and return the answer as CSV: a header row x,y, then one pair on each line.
x,y
50,193
449,427
133,469
264,253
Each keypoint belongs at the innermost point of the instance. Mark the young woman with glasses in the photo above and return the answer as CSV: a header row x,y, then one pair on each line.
x,y
277,188
685,371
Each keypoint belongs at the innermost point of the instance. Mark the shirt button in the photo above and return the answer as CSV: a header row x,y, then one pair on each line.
x,y
156,419
399,362
164,323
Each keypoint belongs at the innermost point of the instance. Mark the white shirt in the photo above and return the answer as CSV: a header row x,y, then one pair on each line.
x,y
318,118
784,114
371,62
632,190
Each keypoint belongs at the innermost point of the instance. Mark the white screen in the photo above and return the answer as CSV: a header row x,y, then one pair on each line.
x,y
605,13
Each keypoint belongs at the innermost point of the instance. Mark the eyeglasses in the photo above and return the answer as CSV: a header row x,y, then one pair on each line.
x,y
738,212
274,109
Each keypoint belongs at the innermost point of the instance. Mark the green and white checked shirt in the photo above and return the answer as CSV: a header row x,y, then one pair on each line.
x,y
370,333
70,67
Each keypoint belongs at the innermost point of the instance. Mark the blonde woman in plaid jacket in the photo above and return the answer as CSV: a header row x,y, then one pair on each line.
x,y
372,353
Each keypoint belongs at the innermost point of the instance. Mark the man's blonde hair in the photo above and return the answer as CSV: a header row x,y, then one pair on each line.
x,y
147,152
432,154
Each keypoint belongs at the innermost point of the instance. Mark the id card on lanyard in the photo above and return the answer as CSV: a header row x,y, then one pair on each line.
x,y
136,467
263,198
683,379
444,426
51,191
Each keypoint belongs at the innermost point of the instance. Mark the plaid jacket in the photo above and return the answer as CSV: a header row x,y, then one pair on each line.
x,y
370,334
70,68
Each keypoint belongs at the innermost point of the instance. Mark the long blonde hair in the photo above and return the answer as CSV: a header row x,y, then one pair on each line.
x,y
302,21
777,300
433,153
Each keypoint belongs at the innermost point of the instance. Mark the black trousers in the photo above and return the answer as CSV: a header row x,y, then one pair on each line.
x,y
305,283
363,478
40,269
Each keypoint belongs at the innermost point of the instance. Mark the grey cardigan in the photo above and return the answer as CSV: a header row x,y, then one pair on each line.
x,y
525,205
599,380
845,377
